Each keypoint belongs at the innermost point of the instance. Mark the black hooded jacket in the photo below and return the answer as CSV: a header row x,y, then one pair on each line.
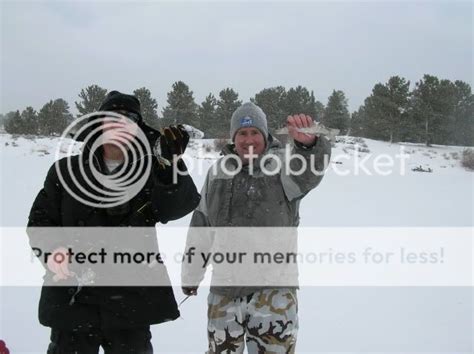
x,y
64,306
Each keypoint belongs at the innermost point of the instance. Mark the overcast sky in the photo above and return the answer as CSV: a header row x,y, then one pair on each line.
x,y
52,49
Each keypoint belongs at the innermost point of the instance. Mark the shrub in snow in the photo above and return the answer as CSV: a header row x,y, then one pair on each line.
x,y
359,148
468,159
455,155
359,140
421,169
350,141
30,137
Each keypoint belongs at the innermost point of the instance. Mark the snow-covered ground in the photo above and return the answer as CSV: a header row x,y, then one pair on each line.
x,y
332,319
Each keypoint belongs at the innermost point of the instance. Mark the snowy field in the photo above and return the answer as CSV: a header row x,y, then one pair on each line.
x,y
332,319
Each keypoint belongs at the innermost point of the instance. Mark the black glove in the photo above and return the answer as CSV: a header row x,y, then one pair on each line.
x,y
171,143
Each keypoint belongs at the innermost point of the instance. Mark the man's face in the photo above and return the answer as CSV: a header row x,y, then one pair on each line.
x,y
119,130
249,140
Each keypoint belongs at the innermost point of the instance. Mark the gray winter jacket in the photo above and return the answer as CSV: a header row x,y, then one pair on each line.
x,y
231,200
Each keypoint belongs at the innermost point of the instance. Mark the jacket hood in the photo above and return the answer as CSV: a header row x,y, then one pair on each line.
x,y
88,138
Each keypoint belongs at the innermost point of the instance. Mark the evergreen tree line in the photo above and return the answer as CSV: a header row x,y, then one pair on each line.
x,y
435,111
52,119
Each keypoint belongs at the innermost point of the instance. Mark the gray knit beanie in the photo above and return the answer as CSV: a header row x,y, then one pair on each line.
x,y
249,115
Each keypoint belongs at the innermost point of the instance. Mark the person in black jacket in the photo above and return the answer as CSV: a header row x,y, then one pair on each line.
x,y
74,210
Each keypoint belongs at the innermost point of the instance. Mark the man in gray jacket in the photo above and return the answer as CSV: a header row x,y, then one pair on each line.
x,y
246,190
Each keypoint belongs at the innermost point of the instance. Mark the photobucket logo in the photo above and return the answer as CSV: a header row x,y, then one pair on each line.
x,y
381,164
87,181
287,161
291,162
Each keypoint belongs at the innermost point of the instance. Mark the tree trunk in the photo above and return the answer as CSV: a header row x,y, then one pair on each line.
x,y
427,136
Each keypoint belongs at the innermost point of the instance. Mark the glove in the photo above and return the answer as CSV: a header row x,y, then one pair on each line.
x,y
171,143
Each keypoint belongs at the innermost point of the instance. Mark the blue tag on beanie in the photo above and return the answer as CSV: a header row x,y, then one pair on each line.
x,y
246,122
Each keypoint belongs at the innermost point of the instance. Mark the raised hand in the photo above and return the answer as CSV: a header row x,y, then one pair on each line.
x,y
58,264
296,122
172,142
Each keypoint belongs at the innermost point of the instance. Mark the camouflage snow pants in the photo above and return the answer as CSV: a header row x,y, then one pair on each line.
x,y
266,320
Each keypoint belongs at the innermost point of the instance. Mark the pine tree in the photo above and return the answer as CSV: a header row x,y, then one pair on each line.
x,y
207,114
148,106
398,96
299,100
91,99
463,115
318,111
54,117
357,122
226,105
336,114
14,123
373,127
273,102
44,115
312,106
181,108
30,120
385,107
431,108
